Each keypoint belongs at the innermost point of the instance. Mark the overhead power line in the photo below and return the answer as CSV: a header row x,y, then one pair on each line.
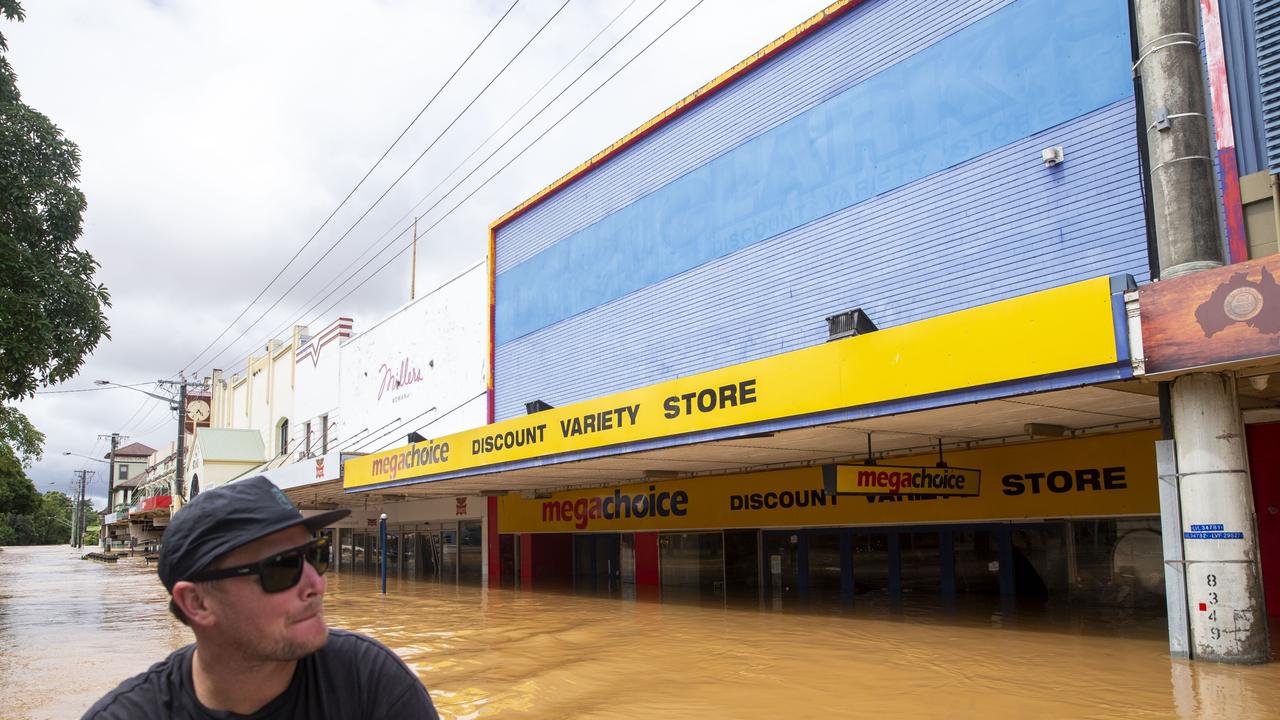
x,y
402,175
357,186
508,163
113,386
328,289
357,266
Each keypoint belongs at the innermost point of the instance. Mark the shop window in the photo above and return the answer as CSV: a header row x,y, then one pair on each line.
x,y
471,562
1118,563
870,565
692,565
742,565
921,563
977,562
824,567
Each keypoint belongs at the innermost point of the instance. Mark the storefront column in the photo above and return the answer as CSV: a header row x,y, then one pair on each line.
x,y
1224,586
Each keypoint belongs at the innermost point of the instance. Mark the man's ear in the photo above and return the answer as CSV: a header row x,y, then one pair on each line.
x,y
193,601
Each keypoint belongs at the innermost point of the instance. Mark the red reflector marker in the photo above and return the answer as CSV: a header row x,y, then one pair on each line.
x,y
1203,607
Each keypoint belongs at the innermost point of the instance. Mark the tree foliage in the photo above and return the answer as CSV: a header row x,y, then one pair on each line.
x,y
19,439
51,310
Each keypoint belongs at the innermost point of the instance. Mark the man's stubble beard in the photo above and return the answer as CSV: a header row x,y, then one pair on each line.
x,y
257,648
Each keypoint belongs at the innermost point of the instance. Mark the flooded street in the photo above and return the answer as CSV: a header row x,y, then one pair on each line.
x,y
71,629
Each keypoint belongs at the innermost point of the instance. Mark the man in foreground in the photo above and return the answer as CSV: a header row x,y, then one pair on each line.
x,y
245,574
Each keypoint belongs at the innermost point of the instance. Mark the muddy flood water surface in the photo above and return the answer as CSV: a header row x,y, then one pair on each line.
x,y
70,630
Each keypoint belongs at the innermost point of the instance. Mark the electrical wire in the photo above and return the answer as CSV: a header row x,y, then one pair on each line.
x,y
396,182
369,172
541,110
112,386
452,410
311,303
509,161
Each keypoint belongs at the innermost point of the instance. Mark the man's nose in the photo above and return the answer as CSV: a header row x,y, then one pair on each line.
x,y
312,582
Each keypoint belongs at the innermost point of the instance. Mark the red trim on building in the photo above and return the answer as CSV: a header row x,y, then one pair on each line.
x,y
1224,132
495,546
647,558
1263,442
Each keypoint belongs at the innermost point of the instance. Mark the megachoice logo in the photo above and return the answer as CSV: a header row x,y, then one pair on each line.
x,y
1239,300
617,506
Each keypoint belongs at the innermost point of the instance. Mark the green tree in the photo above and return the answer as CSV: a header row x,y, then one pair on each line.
x,y
19,439
51,310
53,519
18,502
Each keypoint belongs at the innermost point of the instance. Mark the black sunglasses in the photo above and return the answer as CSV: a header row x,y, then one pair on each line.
x,y
278,572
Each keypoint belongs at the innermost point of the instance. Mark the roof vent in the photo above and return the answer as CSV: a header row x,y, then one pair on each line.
x,y
849,323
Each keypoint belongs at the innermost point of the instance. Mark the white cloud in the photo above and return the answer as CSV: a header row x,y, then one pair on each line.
x,y
217,136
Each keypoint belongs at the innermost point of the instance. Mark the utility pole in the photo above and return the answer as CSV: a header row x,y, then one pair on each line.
x,y
77,497
413,263
111,482
1222,578
182,433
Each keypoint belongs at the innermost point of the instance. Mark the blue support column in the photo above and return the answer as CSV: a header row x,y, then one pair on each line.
x,y
382,549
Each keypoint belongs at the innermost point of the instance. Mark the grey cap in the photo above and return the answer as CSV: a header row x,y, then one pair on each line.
x,y
220,520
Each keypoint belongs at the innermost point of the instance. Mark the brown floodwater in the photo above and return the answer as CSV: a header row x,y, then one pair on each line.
x,y
71,629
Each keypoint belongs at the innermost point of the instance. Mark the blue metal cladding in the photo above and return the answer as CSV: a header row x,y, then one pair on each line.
x,y
1267,24
871,37
1239,42
976,90
932,241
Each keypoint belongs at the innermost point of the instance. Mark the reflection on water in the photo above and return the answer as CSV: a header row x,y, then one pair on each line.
x,y
544,655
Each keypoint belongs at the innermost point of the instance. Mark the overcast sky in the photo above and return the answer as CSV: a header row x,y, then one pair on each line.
x,y
218,136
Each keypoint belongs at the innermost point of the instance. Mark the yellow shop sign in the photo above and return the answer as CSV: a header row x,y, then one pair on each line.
x,y
980,346
1098,476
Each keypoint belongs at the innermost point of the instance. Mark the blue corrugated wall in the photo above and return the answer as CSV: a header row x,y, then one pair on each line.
x,y
929,196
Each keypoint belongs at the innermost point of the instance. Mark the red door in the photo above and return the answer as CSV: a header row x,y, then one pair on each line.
x,y
1264,469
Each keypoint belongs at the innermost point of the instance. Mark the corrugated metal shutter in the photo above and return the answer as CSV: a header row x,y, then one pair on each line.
x,y
1267,18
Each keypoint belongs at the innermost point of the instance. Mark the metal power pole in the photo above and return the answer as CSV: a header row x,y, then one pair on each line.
x,y
111,481
1223,584
181,407
79,522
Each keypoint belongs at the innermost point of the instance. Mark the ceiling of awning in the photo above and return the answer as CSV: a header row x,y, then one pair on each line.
x,y
1086,410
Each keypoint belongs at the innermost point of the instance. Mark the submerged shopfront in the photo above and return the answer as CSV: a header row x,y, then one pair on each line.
x,y
1031,445
1069,521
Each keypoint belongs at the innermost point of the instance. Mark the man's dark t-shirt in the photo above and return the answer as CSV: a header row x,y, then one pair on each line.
x,y
352,676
